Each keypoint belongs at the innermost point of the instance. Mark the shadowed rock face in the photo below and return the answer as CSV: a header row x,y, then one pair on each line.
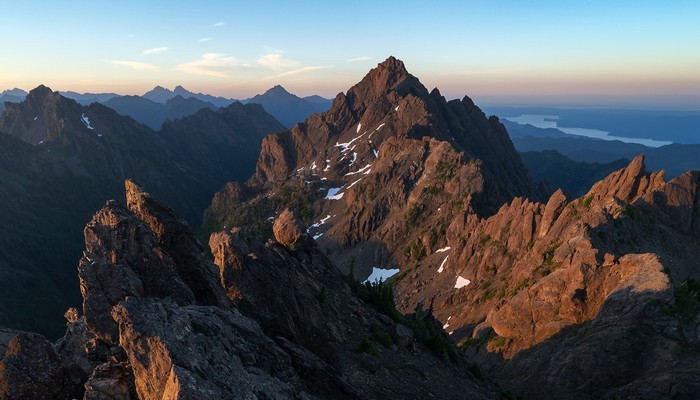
x,y
572,281
394,176
161,320
382,172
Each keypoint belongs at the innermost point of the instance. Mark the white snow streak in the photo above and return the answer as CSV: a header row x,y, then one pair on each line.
x,y
443,249
442,265
359,171
86,121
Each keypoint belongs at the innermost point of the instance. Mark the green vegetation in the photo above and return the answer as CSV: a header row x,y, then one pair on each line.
x,y
412,215
687,304
381,336
476,371
426,328
322,296
415,251
445,170
366,346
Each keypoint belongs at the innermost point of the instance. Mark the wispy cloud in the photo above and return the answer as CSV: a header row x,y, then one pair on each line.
x,y
277,62
297,71
204,39
137,65
130,36
363,58
212,64
218,24
154,51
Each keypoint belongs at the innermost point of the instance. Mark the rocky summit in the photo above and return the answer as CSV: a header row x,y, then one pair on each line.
x,y
160,320
597,294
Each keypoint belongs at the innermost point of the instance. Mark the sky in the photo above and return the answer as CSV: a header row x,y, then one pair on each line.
x,y
594,53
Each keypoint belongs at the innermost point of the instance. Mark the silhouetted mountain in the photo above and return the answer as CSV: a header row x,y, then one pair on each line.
x,y
11,96
154,114
161,95
289,109
207,98
60,160
573,177
88,98
319,100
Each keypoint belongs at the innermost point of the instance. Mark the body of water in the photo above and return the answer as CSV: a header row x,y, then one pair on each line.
x,y
550,121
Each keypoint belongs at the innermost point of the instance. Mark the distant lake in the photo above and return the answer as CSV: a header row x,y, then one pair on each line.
x,y
550,121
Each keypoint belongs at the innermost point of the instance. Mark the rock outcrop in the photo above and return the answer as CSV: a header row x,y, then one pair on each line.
x,y
266,320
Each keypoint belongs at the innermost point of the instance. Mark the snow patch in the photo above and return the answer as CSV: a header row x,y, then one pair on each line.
x,y
354,157
359,171
86,121
346,146
333,194
353,184
313,166
359,126
318,235
35,118
381,274
447,324
396,109
461,282
321,222
442,265
375,152
443,249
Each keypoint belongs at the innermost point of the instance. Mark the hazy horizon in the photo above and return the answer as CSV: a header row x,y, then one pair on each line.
x,y
626,54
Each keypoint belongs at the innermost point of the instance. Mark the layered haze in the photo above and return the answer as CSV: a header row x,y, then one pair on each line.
x,y
626,54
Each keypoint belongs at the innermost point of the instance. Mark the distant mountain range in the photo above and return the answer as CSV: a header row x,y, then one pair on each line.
x,y
160,104
60,160
289,109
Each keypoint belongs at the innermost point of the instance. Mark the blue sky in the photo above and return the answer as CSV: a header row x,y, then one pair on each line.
x,y
593,52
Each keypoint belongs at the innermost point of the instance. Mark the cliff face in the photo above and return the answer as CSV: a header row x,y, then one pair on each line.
x,y
395,177
595,284
388,165
272,320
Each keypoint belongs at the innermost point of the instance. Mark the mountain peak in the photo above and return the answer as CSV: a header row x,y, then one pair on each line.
x,y
277,90
40,92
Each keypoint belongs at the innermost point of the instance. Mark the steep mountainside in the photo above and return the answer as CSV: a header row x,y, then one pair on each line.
x,y
573,177
381,175
60,160
590,298
288,108
160,320
597,294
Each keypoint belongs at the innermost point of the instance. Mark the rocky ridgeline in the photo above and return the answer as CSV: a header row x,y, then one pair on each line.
x,y
160,320
596,294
